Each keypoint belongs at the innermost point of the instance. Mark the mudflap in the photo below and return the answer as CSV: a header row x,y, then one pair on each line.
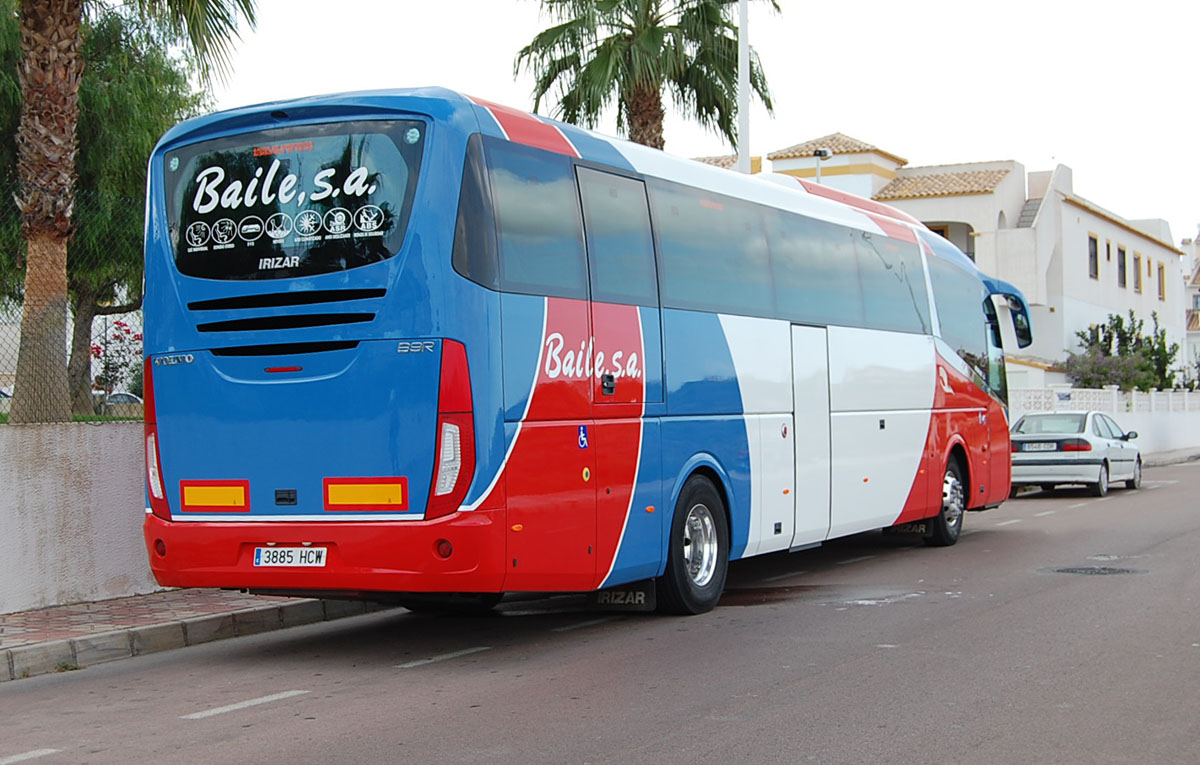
x,y
916,527
635,596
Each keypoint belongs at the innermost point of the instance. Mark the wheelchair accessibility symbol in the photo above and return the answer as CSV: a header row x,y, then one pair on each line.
x,y
583,436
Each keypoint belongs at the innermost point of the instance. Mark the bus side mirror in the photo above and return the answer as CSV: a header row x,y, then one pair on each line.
x,y
1022,325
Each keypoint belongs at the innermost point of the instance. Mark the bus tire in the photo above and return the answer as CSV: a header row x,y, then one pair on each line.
x,y
698,551
946,526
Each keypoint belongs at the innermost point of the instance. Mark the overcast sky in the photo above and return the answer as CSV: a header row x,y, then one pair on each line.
x,y
1103,87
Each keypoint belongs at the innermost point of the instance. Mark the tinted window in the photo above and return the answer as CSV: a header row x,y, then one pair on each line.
x,y
292,201
816,274
474,230
620,245
539,233
1034,424
959,296
712,251
893,283
997,376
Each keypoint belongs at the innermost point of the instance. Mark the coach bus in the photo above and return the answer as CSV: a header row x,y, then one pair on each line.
x,y
412,342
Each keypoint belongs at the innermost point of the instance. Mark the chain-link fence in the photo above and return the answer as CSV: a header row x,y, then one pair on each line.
x,y
73,348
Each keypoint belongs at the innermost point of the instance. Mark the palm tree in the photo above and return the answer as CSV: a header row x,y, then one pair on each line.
x,y
633,50
49,73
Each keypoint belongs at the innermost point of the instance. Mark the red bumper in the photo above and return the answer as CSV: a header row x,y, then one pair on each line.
x,y
361,557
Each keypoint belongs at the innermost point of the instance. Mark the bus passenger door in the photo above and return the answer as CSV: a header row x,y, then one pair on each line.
x,y
551,494
810,379
625,367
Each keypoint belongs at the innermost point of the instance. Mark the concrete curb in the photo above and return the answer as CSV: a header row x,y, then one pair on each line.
x,y
1161,459
76,653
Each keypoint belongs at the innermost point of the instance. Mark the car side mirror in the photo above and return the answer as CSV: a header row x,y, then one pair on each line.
x,y
1129,436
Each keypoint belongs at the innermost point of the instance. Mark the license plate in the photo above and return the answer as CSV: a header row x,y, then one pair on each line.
x,y
290,556
1040,446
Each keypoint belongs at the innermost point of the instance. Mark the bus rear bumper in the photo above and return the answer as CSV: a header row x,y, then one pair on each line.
x,y
360,557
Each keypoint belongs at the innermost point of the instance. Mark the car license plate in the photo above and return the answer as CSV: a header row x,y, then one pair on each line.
x,y
1040,446
290,556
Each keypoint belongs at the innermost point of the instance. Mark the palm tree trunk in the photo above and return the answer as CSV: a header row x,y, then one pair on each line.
x,y
646,117
49,74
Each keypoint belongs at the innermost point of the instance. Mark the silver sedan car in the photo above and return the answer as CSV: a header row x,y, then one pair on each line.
x,y
1051,448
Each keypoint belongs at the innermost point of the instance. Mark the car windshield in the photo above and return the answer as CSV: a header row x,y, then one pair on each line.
x,y
1032,424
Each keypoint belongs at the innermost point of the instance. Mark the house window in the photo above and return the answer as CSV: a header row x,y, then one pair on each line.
x,y
1121,267
1108,250
1162,282
1093,257
1137,273
942,231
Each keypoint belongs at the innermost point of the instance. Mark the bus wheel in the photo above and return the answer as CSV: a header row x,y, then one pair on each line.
x,y
945,527
698,553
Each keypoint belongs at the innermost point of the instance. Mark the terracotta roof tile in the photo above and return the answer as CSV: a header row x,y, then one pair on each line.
x,y
838,143
942,184
728,161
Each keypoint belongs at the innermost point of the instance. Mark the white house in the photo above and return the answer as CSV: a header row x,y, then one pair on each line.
x,y
1075,261
1191,352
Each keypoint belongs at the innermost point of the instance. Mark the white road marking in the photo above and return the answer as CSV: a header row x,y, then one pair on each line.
x,y
443,657
1009,523
779,577
887,645
1046,512
581,625
36,753
242,705
859,559
1077,504
1157,482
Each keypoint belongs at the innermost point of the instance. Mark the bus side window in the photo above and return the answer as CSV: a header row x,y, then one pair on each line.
x,y
893,283
815,272
712,251
539,232
474,230
959,296
620,245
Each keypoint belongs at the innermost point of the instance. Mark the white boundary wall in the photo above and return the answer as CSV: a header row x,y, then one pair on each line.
x,y
72,499
1164,420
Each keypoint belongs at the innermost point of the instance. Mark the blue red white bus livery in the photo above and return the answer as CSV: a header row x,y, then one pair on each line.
x,y
405,343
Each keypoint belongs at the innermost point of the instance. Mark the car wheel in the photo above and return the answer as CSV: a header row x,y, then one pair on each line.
x,y
946,526
1136,481
698,556
1100,487
1047,487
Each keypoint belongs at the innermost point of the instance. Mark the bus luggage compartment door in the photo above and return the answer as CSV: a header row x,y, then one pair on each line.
x,y
810,380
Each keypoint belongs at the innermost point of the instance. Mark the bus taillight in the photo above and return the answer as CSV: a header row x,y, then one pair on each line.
x,y
454,462
154,482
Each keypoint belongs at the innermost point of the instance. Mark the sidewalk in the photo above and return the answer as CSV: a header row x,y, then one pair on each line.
x,y
64,638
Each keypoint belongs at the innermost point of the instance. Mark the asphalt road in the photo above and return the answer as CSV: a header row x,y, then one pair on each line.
x,y
874,649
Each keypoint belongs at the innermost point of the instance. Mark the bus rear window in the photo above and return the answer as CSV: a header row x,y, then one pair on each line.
x,y
293,201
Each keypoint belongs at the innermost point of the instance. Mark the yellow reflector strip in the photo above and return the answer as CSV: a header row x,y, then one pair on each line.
x,y
366,494
214,496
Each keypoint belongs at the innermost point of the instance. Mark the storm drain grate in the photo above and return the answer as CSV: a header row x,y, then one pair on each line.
x,y
1097,570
